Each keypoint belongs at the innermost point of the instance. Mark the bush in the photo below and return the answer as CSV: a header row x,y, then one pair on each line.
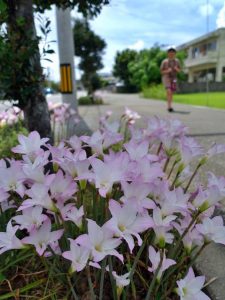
x,y
9,137
87,100
154,92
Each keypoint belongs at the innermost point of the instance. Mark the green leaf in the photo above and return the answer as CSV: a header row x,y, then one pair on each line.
x,y
24,289
2,277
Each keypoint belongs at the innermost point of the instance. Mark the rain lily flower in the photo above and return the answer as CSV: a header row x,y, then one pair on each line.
x,y
212,229
137,150
121,281
125,222
31,218
105,174
100,241
62,187
8,239
71,213
190,287
12,178
30,144
42,237
78,255
137,195
154,258
38,196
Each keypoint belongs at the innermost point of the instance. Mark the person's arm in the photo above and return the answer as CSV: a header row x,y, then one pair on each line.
x,y
164,68
177,68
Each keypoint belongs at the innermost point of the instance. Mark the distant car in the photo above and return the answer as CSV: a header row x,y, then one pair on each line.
x,y
48,91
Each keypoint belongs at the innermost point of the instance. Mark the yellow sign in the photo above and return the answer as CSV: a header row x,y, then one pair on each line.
x,y
66,79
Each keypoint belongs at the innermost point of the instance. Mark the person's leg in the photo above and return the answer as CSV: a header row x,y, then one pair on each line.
x,y
169,94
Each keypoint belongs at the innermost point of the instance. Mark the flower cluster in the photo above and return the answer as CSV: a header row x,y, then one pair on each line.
x,y
10,116
134,197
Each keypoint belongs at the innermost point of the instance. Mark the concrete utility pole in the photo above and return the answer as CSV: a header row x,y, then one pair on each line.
x,y
66,57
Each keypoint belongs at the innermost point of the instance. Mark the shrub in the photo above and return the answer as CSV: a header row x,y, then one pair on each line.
x,y
87,100
126,223
11,125
154,92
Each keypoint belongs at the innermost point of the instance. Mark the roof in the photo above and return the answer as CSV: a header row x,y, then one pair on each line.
x,y
212,34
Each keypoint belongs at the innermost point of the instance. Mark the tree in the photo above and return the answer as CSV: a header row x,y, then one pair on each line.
x,y
146,68
21,75
90,48
121,68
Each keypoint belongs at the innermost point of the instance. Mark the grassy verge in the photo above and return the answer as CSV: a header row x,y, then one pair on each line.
x,y
211,99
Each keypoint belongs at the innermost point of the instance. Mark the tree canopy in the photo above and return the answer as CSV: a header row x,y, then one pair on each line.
x,y
86,7
140,69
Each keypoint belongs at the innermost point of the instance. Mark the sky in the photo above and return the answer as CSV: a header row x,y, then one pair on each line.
x,y
138,24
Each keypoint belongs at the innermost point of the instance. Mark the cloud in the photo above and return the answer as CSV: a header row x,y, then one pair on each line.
x,y
137,46
206,9
220,21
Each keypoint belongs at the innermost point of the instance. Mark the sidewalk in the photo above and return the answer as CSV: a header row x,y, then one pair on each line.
x,y
208,126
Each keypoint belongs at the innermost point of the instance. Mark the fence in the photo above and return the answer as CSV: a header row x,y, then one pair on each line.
x,y
200,87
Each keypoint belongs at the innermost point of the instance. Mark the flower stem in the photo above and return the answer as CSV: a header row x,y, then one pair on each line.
x,y
102,279
72,289
93,297
112,280
152,285
192,177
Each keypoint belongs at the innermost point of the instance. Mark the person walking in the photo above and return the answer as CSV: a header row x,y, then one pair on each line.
x,y
169,69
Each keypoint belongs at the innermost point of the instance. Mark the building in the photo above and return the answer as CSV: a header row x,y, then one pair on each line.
x,y
206,57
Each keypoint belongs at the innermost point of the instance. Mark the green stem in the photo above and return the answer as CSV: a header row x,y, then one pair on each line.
x,y
102,279
171,171
175,250
192,177
93,297
112,280
72,289
152,285
197,255
166,164
159,149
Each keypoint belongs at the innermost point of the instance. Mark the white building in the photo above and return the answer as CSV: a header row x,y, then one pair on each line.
x,y
206,57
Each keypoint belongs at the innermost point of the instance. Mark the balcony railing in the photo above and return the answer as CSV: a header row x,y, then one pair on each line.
x,y
210,57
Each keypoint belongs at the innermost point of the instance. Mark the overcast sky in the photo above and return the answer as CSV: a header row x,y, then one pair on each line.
x,y
139,24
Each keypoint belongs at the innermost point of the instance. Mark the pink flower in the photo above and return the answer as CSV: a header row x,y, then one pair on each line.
x,y
42,237
154,258
137,150
131,116
38,196
29,144
78,255
189,148
100,241
190,287
12,178
145,171
125,222
216,149
136,194
174,201
62,187
212,230
109,172
8,239
31,218
72,213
